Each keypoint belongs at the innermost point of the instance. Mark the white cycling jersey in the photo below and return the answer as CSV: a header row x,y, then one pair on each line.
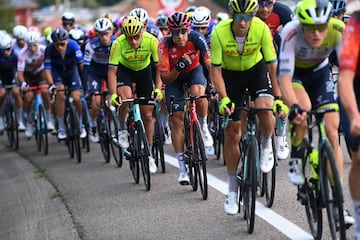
x,y
33,63
296,53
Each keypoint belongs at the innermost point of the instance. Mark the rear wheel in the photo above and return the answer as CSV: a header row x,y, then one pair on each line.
x,y
113,130
104,137
269,179
85,121
158,141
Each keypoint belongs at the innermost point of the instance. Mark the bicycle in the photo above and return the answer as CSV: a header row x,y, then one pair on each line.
x,y
322,187
194,154
85,120
250,176
158,138
72,126
139,148
108,128
39,119
217,132
11,123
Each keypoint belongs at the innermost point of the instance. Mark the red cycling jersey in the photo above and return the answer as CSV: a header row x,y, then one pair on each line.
x,y
350,51
169,53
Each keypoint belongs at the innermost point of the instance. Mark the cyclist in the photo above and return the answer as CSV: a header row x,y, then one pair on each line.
x,y
95,67
179,64
79,36
237,64
30,68
63,57
221,16
339,9
19,33
276,15
161,23
130,62
68,21
305,78
8,67
349,79
143,15
202,22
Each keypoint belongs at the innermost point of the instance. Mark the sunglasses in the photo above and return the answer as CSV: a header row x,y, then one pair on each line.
x,y
199,28
32,45
60,44
179,31
107,33
265,3
313,28
136,37
68,24
6,50
240,16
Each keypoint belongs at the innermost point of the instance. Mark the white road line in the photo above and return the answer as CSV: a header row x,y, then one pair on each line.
x,y
288,228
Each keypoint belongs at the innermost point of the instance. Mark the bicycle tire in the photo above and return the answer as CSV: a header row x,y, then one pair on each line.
x,y
309,196
189,158
158,141
332,192
85,120
250,183
69,140
143,150
113,130
75,132
269,179
200,159
43,131
104,138
12,128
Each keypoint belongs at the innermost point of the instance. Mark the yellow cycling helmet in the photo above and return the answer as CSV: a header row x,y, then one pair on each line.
x,y
243,6
313,11
132,26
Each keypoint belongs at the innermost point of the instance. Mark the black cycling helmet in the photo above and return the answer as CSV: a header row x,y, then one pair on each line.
x,y
59,34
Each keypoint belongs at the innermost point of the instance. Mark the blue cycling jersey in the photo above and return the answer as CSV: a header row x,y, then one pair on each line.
x,y
63,63
8,66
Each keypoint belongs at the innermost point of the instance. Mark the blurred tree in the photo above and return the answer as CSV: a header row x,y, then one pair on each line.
x,y
222,3
7,16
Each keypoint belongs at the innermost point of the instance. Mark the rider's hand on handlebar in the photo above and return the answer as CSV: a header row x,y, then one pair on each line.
x,y
226,106
23,86
296,114
157,94
52,88
280,108
115,100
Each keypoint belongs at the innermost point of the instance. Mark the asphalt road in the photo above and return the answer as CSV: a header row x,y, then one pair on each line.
x,y
94,200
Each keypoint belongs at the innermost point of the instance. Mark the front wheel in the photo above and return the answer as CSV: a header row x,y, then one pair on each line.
x,y
332,193
143,151
41,131
113,130
200,160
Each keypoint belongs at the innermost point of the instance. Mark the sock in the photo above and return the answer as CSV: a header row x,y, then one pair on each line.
x,y
61,123
265,142
180,158
122,125
356,206
232,181
19,114
282,131
203,121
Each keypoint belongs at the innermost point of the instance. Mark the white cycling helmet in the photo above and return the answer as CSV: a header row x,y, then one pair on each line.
x,y
32,37
77,34
103,24
201,17
68,16
20,31
141,14
5,41
221,16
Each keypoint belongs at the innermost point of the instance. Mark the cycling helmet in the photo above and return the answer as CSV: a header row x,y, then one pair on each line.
x,y
201,17
140,13
132,26
243,6
103,24
221,16
19,31
190,9
91,33
5,41
161,21
77,34
178,20
339,6
59,34
106,15
313,11
68,16
32,37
